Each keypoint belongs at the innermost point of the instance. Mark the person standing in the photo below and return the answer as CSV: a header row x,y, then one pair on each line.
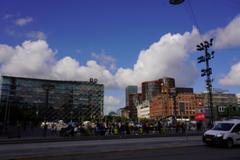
x,y
18,129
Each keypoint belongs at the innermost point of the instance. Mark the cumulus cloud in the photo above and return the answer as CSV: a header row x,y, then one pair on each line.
x,y
36,59
36,35
112,103
167,57
105,60
29,59
233,77
23,21
228,36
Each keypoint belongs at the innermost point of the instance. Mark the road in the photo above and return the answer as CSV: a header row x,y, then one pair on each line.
x,y
179,153
140,148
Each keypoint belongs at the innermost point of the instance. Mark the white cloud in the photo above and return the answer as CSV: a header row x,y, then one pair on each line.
x,y
70,69
112,103
29,59
36,35
105,60
167,57
36,59
233,77
228,36
6,53
23,21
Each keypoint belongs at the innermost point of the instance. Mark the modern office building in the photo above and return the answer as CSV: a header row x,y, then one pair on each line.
x,y
134,99
153,88
130,90
166,84
222,102
150,89
27,99
123,112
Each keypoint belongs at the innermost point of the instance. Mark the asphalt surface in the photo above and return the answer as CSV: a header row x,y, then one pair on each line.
x,y
4,140
178,153
69,148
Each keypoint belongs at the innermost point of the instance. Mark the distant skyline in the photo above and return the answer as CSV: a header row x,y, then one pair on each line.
x,y
120,42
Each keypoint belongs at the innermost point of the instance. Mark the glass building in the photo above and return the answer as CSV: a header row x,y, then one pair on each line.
x,y
27,99
130,90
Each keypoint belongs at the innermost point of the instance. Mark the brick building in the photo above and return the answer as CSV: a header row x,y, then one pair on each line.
x,y
186,105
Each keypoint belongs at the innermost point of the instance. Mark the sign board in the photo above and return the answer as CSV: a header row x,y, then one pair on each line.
x,y
200,117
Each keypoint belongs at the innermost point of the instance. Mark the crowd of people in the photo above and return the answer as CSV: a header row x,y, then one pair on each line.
x,y
103,128
106,128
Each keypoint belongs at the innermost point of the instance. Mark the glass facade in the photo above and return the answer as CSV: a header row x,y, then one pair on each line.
x,y
130,90
150,89
37,99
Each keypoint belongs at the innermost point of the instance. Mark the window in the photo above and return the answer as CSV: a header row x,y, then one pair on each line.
x,y
236,128
223,126
234,108
221,109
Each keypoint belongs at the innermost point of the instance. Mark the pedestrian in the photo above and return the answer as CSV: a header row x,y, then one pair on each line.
x,y
18,129
177,127
45,129
183,127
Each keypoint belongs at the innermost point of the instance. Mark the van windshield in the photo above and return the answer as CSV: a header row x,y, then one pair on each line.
x,y
223,126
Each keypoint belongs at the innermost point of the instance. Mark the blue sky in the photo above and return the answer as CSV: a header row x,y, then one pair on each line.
x,y
112,33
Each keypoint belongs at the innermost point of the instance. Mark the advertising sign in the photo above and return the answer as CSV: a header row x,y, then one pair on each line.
x,y
199,117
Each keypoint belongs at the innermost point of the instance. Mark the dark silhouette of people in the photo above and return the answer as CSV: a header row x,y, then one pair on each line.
x,y
18,129
45,129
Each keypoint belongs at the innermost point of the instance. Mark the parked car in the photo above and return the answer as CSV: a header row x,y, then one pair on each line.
x,y
225,133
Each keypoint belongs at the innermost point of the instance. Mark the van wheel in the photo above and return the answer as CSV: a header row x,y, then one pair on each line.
x,y
229,143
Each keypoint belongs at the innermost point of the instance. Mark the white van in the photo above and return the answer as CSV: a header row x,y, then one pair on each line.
x,y
225,132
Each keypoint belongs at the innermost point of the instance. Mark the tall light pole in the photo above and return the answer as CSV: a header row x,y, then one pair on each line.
x,y
207,71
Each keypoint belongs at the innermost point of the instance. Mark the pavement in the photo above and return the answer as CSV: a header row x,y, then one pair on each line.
x,y
56,138
65,148
179,153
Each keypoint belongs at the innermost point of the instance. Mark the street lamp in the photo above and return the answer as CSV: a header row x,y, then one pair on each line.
x,y
207,71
